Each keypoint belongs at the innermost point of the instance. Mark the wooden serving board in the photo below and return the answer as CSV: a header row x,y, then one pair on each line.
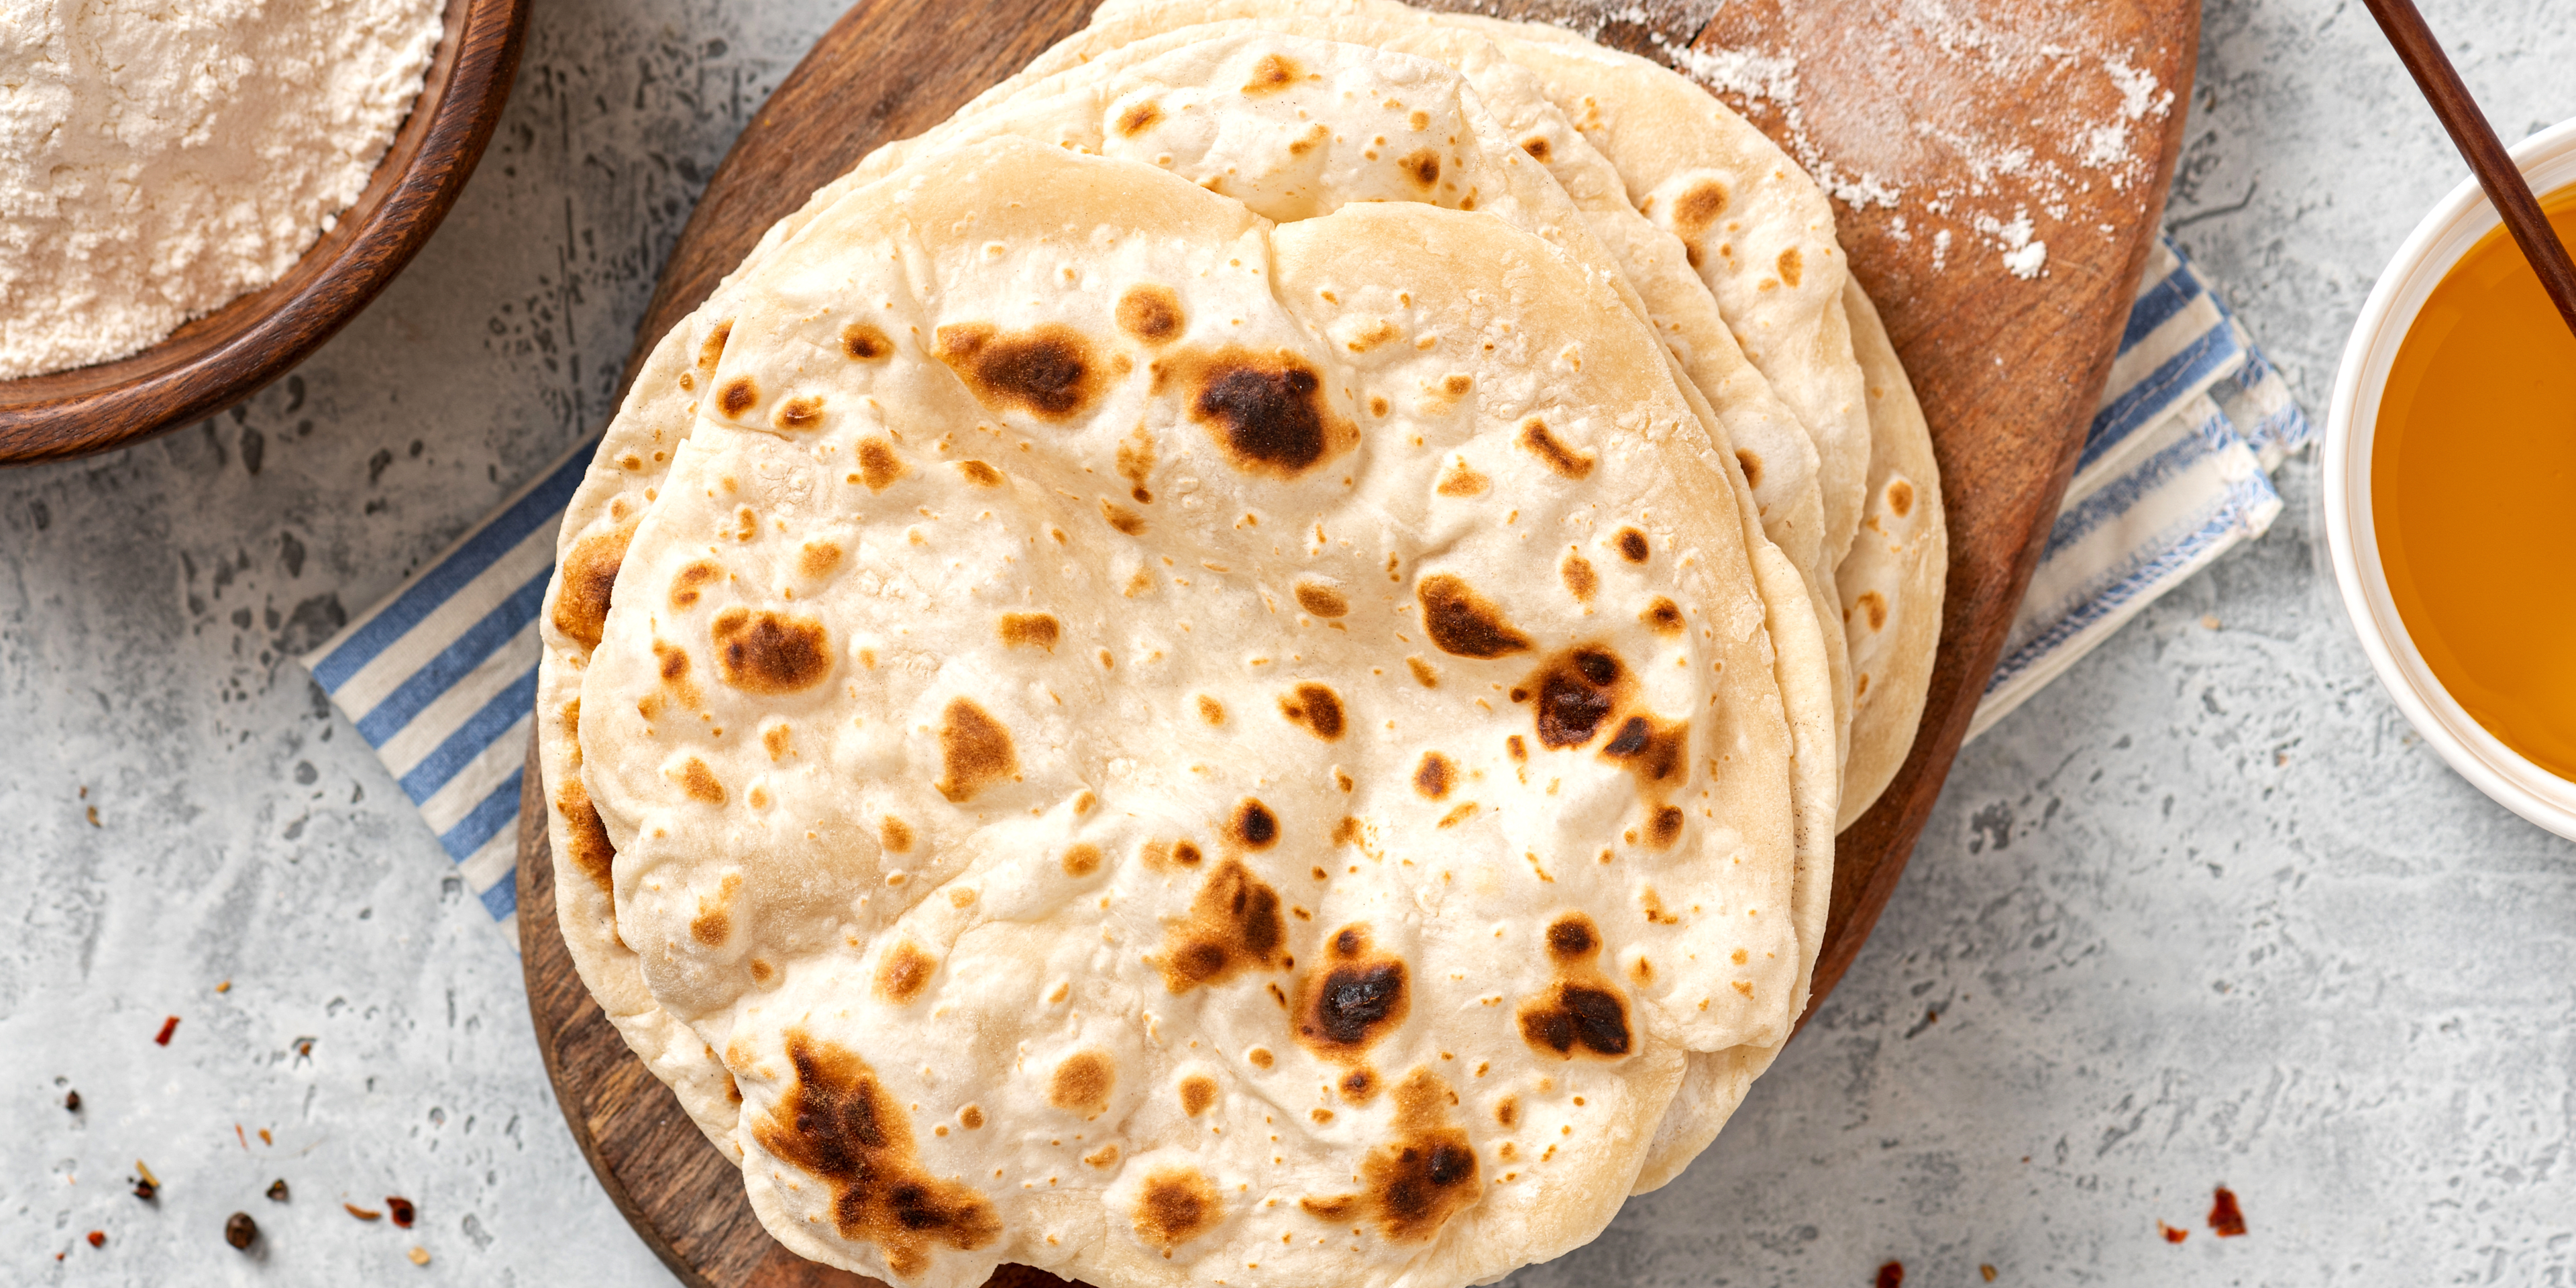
x,y
2008,370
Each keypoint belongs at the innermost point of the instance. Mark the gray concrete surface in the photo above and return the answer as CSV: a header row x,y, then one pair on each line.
x,y
2203,912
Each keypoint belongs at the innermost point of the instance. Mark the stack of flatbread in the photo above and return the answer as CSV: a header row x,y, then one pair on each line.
x,y
1240,666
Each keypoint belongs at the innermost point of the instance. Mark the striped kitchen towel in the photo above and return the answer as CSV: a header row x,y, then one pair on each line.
x,y
2175,472
441,677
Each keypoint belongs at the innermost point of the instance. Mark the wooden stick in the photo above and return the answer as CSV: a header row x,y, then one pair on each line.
x,y
2477,142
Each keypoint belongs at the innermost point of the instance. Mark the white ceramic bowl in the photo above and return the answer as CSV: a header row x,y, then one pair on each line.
x,y
2548,161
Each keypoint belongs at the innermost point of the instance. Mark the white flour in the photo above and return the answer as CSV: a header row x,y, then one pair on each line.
x,y
159,159
2097,104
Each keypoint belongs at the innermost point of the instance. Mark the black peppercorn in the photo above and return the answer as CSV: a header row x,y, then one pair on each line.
x,y
277,1192
240,1231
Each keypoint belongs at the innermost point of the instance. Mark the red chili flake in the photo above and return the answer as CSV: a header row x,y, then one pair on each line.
x,y
98,1238
1891,1275
264,1138
1988,1272
401,1208
277,1190
361,1213
2224,1216
2171,1234
245,1140
168,1027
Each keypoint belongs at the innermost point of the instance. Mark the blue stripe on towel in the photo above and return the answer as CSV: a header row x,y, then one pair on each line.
x,y
471,738
2159,302
486,819
2150,398
541,506
479,641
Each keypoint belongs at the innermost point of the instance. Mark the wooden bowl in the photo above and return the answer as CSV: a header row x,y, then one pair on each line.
x,y
221,358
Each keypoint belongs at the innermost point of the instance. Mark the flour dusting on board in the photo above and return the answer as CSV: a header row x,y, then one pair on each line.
x,y
1999,182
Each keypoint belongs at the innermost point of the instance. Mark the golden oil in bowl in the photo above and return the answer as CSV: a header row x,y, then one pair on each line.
x,y
2473,494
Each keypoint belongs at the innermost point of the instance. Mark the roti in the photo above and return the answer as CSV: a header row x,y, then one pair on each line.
x,y
600,524
1892,581
1005,746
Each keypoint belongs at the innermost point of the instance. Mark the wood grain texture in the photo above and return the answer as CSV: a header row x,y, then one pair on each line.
x,y
235,351
2008,371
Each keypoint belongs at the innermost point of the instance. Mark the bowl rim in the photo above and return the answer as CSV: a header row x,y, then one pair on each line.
x,y
217,360
2445,234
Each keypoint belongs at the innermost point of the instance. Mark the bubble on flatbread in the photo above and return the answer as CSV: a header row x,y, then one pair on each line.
x,y
1030,630
590,851
1578,575
770,652
1317,707
1355,998
1576,692
1139,117
1542,442
839,1124
1267,411
865,342
1272,73
879,467
1652,749
1433,775
800,413
1872,608
1254,827
1417,1181
1234,924
903,971
1082,1082
1047,370
590,583
1151,313
1582,1013
1463,622
1662,616
1322,599
1176,1205
975,751
689,584
699,782
1693,211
